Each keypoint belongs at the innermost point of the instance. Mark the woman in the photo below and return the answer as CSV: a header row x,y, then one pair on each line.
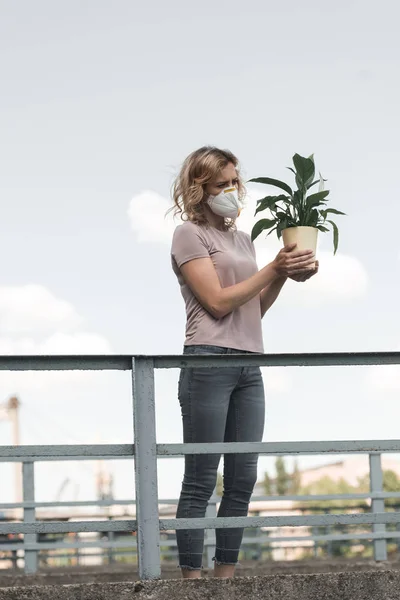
x,y
226,297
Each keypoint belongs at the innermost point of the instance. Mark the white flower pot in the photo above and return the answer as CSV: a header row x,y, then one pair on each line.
x,y
306,238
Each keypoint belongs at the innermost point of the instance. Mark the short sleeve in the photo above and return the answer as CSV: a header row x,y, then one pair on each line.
x,y
188,244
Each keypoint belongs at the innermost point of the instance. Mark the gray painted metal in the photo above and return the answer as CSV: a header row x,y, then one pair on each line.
x,y
378,505
148,524
28,478
109,362
66,452
290,521
174,501
322,359
282,448
124,362
68,527
148,533
264,541
126,451
207,523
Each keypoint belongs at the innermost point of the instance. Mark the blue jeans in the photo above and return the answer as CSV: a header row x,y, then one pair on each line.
x,y
223,404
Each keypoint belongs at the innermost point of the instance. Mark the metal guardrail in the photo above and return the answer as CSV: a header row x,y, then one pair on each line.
x,y
146,451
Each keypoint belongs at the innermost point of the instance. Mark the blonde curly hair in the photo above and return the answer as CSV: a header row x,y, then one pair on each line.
x,y
198,169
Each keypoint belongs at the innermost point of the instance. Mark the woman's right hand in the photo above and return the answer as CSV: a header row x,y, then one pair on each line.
x,y
290,261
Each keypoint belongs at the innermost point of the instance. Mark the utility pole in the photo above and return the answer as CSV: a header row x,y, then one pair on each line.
x,y
10,411
104,484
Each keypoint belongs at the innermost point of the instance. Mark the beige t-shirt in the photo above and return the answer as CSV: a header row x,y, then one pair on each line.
x,y
233,256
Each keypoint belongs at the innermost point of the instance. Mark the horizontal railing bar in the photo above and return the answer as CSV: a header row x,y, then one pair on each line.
x,y
283,448
119,451
320,359
206,523
217,499
100,362
289,521
72,545
77,503
257,541
84,362
366,496
67,452
322,538
68,527
78,457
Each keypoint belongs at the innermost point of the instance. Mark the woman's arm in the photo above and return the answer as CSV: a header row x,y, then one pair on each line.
x,y
270,293
202,278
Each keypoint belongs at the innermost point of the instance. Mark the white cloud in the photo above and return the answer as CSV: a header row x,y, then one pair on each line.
x,y
148,219
58,343
48,324
34,309
341,278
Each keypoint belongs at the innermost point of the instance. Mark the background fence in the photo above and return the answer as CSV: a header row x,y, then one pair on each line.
x,y
145,452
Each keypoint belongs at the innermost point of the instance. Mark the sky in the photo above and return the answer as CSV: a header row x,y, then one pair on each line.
x,y
100,103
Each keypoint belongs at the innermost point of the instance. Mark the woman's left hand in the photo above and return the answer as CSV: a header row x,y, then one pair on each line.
x,y
304,276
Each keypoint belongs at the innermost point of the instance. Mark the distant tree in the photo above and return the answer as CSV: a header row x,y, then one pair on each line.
x,y
282,482
295,484
391,483
327,487
267,484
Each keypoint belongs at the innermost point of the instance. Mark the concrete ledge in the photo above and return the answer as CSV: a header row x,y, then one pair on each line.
x,y
128,573
369,585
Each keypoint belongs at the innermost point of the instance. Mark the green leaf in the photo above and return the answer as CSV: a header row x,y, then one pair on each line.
x,y
283,224
332,211
282,215
261,226
271,231
312,184
265,203
275,182
305,170
269,202
291,169
316,199
313,218
297,205
335,236
322,228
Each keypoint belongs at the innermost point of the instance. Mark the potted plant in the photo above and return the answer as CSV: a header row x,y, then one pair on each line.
x,y
297,216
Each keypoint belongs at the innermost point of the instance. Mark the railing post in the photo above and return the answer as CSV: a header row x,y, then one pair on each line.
x,y
144,420
28,482
210,533
377,505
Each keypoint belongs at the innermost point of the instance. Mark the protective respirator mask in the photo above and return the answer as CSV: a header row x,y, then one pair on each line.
x,y
226,204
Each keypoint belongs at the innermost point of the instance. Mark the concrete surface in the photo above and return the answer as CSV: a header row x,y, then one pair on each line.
x,y
119,572
368,585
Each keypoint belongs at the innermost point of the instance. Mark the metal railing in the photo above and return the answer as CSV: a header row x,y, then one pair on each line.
x,y
146,451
